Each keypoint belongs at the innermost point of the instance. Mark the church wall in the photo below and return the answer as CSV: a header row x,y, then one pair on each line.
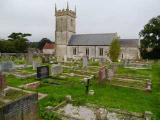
x,y
129,53
105,50
93,51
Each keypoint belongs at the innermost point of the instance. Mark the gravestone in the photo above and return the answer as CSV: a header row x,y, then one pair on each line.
x,y
65,58
59,59
87,85
149,85
6,66
56,69
101,61
46,59
102,74
35,64
2,83
30,56
110,74
42,72
85,61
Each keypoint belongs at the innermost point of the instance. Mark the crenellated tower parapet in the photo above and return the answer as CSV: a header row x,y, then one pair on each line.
x,y
65,12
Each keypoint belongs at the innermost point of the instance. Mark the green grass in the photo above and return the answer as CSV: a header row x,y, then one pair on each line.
x,y
15,82
105,95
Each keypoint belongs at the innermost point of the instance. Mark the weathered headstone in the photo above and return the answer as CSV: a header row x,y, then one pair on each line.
x,y
148,115
149,85
101,61
59,59
56,69
2,83
35,64
91,92
42,72
102,74
85,61
6,66
65,58
110,74
30,56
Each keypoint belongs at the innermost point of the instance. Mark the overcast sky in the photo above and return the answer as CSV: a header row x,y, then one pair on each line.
x,y
126,17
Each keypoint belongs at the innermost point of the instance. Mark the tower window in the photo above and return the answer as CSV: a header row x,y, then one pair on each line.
x,y
74,51
101,52
71,22
87,51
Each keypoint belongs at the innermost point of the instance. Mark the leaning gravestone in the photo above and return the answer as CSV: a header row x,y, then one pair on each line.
x,y
35,65
42,72
6,66
56,69
102,74
2,83
85,61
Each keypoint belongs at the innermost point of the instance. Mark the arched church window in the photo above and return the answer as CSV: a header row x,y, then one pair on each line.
x,y
101,52
74,51
87,51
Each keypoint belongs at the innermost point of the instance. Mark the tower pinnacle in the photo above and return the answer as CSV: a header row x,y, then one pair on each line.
x,y
67,6
55,7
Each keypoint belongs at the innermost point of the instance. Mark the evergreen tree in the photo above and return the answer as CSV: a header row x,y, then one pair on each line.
x,y
114,50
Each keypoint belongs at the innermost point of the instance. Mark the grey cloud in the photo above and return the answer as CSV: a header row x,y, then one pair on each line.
x,y
126,17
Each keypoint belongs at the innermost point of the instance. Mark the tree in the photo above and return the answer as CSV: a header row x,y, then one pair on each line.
x,y
17,43
114,50
43,42
20,41
150,39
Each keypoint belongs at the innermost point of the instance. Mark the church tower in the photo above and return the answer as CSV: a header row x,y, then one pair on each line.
x,y
65,28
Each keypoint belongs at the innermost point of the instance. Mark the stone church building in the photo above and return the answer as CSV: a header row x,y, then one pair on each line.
x,y
72,45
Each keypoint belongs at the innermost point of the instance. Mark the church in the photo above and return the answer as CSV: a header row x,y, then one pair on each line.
x,y
72,45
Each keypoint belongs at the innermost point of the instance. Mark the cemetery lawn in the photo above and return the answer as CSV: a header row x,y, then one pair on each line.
x,y
16,82
105,95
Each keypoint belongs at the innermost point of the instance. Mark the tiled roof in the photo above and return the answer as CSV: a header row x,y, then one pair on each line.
x,y
129,42
99,40
49,46
91,39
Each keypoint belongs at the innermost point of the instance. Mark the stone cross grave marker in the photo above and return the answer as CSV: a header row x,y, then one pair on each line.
x,y
85,61
87,85
102,74
56,69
